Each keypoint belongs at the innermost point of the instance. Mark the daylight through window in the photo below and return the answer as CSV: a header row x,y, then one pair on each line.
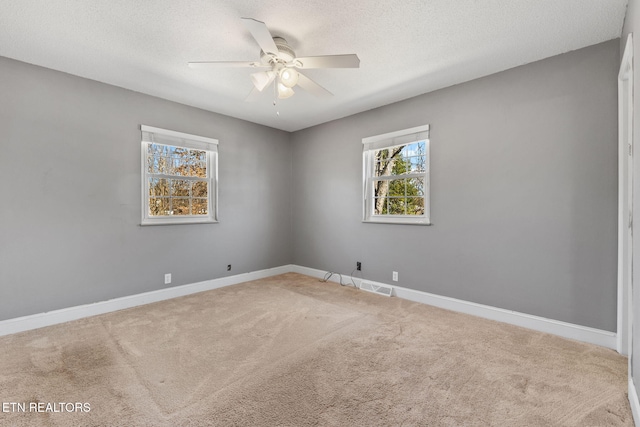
x,y
179,177
396,177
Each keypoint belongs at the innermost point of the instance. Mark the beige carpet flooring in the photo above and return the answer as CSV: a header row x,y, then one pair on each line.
x,y
292,351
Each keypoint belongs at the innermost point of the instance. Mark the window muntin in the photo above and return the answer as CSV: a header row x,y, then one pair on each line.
x,y
179,177
396,169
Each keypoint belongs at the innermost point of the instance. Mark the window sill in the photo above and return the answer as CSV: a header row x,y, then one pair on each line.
x,y
175,222
398,220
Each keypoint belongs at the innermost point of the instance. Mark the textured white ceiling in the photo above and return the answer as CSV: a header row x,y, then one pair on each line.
x,y
405,47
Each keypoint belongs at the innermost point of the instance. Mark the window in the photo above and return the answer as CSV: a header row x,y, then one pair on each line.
x,y
396,177
179,177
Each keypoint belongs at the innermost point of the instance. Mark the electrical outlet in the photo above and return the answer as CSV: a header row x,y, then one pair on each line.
x,y
395,276
358,265
167,278
228,267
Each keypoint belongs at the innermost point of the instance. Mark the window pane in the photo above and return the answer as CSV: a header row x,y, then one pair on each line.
x,y
199,189
177,167
413,157
162,164
196,154
180,187
386,160
415,206
396,206
199,169
152,165
158,187
416,164
171,166
180,206
159,206
397,187
380,188
156,149
178,152
200,207
380,207
415,187
188,166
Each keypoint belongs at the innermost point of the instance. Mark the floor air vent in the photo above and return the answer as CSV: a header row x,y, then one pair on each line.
x,y
380,289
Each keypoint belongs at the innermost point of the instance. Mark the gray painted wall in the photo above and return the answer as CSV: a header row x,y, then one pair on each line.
x,y
523,191
70,185
631,23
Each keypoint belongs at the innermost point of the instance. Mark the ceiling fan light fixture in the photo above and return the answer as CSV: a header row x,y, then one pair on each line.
x,y
262,80
289,77
284,92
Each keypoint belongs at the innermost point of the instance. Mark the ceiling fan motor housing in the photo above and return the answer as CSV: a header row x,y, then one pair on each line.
x,y
285,53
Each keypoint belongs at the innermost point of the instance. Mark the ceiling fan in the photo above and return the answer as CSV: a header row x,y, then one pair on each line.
x,y
278,62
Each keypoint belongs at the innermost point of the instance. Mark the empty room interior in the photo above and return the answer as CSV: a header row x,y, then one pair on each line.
x,y
245,213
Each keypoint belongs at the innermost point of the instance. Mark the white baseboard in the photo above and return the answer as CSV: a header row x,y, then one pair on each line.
x,y
35,321
563,329
633,401
541,324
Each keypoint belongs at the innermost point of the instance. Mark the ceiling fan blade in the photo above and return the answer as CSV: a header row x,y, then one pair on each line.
x,y
329,61
262,79
228,64
310,86
261,33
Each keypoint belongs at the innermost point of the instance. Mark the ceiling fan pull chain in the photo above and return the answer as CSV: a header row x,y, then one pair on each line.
x,y
275,93
275,98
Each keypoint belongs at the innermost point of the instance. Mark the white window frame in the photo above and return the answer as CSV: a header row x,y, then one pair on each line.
x,y
373,143
156,135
